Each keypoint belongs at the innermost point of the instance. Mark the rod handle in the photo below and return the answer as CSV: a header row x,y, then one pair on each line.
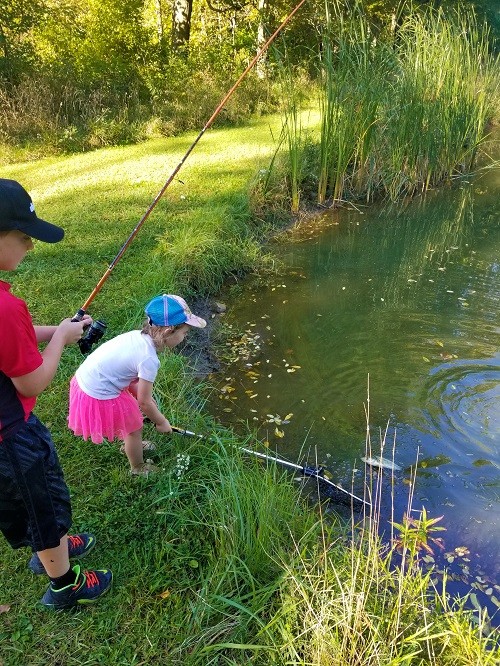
x,y
79,315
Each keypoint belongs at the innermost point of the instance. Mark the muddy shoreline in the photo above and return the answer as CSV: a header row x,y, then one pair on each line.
x,y
198,347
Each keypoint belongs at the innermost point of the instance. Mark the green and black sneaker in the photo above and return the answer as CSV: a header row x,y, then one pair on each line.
x,y
87,588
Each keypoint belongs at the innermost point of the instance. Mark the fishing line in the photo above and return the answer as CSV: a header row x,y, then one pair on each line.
x,y
78,316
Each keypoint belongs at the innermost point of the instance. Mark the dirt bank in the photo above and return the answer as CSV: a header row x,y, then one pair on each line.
x,y
198,347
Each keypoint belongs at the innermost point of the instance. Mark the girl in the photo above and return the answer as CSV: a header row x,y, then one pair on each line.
x,y
113,387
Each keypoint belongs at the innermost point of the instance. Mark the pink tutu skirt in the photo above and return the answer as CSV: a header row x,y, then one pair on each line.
x,y
98,419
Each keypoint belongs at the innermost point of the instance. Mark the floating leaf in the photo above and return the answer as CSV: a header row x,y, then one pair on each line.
x,y
288,416
461,551
426,359
279,433
441,344
475,602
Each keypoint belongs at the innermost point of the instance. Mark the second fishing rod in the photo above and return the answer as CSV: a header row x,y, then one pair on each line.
x,y
98,327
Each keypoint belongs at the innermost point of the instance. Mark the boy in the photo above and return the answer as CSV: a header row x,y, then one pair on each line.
x,y
35,507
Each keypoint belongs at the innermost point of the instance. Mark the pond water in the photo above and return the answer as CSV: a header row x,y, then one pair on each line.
x,y
400,305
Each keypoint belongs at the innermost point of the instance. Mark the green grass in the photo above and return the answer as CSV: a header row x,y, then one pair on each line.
x,y
217,560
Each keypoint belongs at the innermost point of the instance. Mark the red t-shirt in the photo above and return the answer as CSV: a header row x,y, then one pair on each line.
x,y
19,355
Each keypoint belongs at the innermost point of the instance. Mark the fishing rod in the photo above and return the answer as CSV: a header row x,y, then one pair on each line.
x,y
97,329
330,489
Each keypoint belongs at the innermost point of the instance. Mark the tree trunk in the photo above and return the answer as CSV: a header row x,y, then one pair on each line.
x,y
181,23
163,46
3,44
260,67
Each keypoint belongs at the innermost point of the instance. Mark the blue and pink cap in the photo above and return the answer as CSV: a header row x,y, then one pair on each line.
x,y
169,310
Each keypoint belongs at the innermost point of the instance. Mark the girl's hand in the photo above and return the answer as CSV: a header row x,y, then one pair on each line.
x,y
164,427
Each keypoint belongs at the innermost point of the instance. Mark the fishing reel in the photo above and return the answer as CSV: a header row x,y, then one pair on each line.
x,y
92,335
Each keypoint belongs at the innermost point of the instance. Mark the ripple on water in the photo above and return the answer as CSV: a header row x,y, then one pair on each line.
x,y
462,401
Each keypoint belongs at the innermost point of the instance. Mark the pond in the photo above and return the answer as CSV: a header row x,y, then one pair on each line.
x,y
399,305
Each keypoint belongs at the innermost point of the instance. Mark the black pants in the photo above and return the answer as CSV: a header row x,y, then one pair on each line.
x,y
35,507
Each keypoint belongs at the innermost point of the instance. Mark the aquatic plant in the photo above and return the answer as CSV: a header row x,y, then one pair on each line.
x,y
415,533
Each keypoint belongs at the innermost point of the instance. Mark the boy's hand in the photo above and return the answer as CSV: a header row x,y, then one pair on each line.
x,y
86,320
71,331
66,333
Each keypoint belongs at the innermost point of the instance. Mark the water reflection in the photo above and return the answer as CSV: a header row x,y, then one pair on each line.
x,y
409,297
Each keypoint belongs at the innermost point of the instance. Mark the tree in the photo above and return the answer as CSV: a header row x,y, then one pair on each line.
x,y
181,23
16,19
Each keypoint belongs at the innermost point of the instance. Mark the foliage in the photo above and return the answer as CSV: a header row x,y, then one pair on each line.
x,y
103,65
215,245
415,533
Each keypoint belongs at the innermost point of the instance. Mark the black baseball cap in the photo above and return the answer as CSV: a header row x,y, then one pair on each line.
x,y
17,212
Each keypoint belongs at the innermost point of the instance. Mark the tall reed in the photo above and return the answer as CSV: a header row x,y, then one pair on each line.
x,y
351,70
440,102
294,135
399,114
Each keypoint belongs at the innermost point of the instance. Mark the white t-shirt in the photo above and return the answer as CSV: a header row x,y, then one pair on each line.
x,y
116,363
